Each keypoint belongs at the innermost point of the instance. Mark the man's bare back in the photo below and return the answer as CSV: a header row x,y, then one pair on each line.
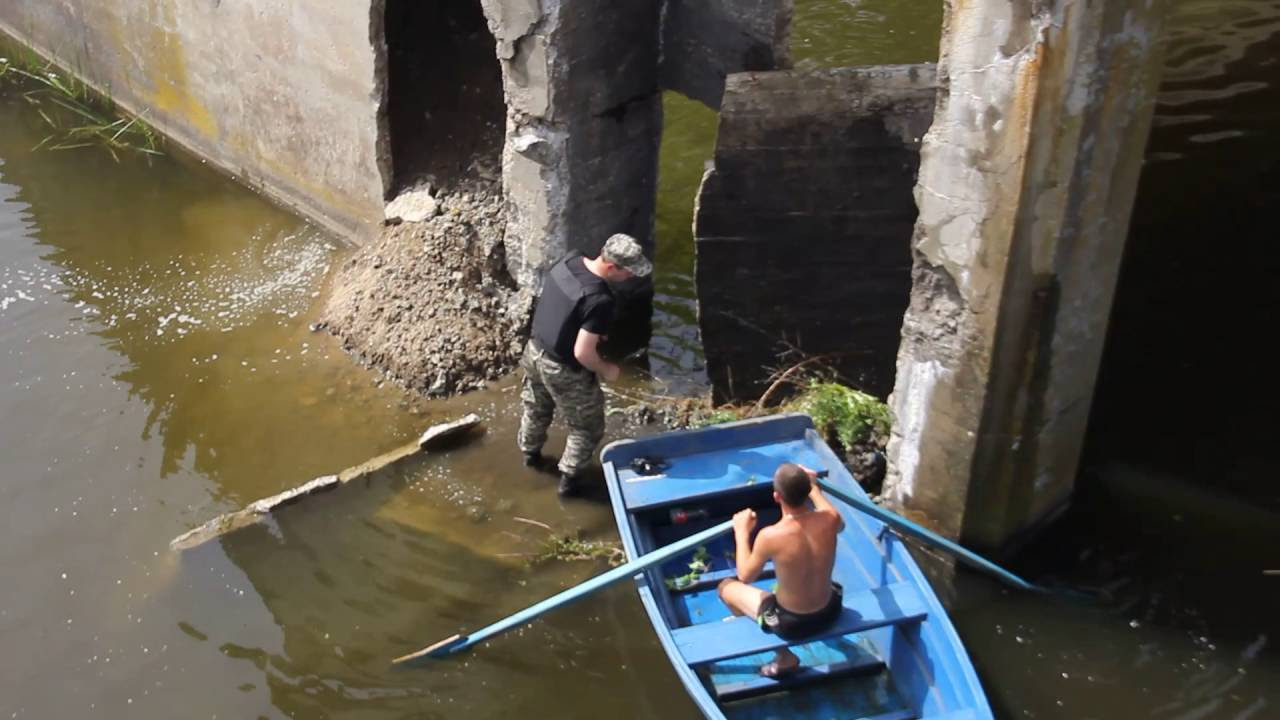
x,y
802,546
803,550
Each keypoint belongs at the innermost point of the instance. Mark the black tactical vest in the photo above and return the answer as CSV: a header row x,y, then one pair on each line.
x,y
558,318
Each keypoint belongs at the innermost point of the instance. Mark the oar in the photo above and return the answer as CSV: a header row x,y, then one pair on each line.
x,y
910,528
458,643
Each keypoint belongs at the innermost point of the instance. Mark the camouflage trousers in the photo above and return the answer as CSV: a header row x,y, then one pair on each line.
x,y
549,385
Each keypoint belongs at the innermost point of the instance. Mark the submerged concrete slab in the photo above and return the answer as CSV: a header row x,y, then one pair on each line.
x,y
258,510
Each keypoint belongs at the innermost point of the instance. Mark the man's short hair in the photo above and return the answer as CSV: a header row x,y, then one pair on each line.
x,y
792,483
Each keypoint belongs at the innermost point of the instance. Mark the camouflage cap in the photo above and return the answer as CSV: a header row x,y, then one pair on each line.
x,y
624,251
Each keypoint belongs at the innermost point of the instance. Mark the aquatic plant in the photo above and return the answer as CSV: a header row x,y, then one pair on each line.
x,y
851,416
572,547
78,116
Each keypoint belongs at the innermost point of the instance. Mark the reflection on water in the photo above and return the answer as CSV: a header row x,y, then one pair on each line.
x,y
156,369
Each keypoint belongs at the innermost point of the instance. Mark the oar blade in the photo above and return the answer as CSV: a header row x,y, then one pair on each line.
x,y
447,646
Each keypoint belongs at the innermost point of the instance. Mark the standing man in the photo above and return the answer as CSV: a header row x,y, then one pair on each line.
x,y
802,545
562,365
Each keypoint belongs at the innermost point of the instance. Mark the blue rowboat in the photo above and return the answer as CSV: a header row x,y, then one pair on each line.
x,y
891,655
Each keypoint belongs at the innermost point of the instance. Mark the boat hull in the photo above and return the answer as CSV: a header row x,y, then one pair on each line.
x,y
901,657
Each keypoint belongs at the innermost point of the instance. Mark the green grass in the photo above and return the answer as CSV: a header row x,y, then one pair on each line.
x,y
77,116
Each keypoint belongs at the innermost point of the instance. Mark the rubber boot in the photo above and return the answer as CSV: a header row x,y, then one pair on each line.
x,y
568,486
533,459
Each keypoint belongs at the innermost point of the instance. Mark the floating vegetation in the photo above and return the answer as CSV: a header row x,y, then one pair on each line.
x,y
572,547
78,116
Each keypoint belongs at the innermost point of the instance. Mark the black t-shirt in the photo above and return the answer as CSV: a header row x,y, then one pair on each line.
x,y
585,304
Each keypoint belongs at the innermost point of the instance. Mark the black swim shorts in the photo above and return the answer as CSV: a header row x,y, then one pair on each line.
x,y
790,625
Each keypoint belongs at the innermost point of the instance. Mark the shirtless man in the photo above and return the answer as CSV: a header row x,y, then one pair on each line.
x,y
802,546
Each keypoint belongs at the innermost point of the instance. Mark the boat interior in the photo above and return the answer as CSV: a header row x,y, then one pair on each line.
x,y
874,662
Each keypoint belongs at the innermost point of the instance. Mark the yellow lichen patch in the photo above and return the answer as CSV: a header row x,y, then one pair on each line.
x,y
167,68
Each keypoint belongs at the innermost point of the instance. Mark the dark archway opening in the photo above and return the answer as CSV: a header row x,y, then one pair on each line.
x,y
1186,385
445,104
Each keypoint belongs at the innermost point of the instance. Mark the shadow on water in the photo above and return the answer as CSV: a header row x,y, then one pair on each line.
x,y
1176,510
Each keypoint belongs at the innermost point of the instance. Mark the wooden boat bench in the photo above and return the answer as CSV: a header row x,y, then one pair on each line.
x,y
893,604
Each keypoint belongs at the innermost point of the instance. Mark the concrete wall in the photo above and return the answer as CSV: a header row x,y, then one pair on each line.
x,y
703,41
1026,182
803,226
279,93
583,81
584,119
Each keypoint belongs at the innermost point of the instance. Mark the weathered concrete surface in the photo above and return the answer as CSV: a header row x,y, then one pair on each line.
x,y
803,226
703,41
277,93
584,118
1026,182
584,108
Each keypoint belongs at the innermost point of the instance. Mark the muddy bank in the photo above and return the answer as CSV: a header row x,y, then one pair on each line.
x,y
430,302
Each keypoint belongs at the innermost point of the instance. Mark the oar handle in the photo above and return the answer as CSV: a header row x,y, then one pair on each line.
x,y
910,528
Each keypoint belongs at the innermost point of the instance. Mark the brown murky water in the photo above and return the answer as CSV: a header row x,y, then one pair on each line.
x,y
156,370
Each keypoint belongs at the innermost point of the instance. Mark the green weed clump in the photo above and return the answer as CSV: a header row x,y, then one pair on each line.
x,y
78,116
716,416
569,547
851,416
848,415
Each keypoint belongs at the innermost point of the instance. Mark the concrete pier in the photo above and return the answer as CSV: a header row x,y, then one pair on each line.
x,y
803,224
1027,178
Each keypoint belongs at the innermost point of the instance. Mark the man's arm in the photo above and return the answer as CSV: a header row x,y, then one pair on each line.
x,y
750,560
585,351
820,502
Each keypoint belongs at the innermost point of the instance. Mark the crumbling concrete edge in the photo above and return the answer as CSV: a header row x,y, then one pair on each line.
x,y
535,173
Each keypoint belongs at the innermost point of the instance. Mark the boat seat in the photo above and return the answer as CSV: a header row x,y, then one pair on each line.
x,y
713,641
865,664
